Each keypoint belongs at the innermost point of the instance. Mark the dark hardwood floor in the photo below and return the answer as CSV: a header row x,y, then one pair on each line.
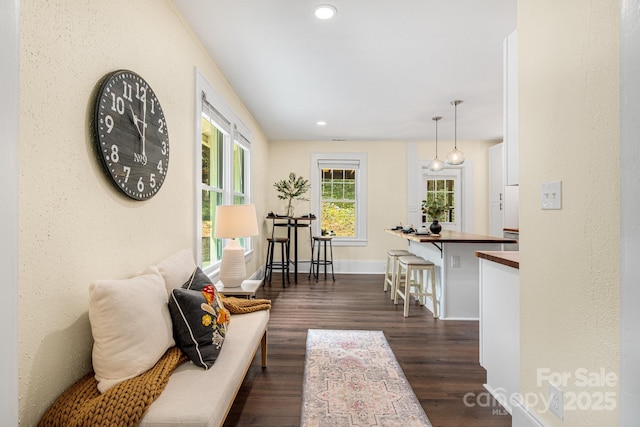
x,y
439,358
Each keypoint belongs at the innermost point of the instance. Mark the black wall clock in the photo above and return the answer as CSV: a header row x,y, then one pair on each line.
x,y
131,134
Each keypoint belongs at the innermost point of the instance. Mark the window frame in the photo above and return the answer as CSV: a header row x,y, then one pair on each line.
x,y
357,161
238,134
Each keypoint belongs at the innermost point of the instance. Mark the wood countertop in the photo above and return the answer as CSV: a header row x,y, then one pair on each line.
x,y
508,258
448,236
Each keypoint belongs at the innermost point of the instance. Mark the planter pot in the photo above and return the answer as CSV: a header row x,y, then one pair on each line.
x,y
435,228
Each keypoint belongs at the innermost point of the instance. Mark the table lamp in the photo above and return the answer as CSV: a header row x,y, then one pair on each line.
x,y
233,222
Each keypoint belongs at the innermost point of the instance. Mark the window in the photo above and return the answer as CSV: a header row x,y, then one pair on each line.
x,y
212,186
444,190
223,176
338,187
445,186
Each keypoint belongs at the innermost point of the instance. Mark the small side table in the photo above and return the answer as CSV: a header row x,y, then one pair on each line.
x,y
247,289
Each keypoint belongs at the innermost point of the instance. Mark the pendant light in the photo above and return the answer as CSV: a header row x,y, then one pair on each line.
x,y
455,157
436,164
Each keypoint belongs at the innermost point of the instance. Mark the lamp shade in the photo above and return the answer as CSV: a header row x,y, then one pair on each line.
x,y
233,221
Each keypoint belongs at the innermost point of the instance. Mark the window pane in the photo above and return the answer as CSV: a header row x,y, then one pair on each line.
x,y
212,145
350,190
211,247
326,190
339,218
338,203
443,190
238,169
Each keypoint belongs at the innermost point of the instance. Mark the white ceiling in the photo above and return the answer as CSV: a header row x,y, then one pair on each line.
x,y
380,70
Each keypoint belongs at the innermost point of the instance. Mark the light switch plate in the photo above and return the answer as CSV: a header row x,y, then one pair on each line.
x,y
551,195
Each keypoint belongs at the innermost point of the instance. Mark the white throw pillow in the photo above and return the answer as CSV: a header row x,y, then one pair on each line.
x,y
131,326
177,269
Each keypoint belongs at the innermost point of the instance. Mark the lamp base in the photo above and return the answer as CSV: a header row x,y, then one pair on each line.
x,y
232,268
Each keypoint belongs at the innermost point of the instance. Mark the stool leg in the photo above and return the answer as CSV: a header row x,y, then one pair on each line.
x,y
311,262
434,294
333,276
394,274
420,288
325,259
386,276
284,266
266,266
270,262
407,291
398,267
318,261
287,266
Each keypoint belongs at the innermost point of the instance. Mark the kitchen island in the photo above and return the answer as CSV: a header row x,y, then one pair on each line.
x,y
457,270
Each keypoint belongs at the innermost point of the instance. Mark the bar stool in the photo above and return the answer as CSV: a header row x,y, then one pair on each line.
x,y
282,265
321,243
390,272
414,267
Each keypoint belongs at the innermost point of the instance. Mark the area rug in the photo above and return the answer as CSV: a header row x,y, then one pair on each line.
x,y
352,378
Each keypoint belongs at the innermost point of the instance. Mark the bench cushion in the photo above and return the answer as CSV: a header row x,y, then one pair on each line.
x,y
195,397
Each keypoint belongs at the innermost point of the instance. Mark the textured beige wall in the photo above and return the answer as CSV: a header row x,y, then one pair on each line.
x,y
387,184
74,227
569,131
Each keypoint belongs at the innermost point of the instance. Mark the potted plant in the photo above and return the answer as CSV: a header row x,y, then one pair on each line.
x,y
292,189
434,208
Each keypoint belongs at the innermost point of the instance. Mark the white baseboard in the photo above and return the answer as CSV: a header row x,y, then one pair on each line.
x,y
359,267
340,267
522,417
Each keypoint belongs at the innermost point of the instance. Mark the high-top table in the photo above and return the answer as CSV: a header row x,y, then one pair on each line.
x,y
293,222
457,271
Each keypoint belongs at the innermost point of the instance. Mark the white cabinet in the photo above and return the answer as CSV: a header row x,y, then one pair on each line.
x,y
496,191
510,99
500,329
511,203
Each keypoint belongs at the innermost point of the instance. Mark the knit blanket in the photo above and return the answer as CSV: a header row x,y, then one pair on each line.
x,y
241,305
124,404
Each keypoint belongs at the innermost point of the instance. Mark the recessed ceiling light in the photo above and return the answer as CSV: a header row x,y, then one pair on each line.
x,y
325,11
321,123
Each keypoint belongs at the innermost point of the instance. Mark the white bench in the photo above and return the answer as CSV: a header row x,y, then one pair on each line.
x,y
195,397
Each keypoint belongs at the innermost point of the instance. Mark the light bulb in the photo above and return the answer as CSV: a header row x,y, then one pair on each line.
x,y
436,165
455,157
325,11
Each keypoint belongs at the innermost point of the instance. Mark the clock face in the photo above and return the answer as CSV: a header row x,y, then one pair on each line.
x,y
131,133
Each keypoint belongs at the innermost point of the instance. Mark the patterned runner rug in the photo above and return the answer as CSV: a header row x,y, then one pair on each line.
x,y
352,378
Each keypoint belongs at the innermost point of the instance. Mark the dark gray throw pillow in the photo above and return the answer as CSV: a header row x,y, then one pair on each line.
x,y
199,320
197,281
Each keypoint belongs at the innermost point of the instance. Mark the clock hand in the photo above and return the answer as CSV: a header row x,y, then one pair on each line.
x,y
135,120
144,124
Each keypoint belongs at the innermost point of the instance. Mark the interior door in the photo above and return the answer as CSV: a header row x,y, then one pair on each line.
x,y
447,184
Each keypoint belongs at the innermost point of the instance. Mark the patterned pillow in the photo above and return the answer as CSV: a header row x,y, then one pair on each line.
x,y
199,281
199,320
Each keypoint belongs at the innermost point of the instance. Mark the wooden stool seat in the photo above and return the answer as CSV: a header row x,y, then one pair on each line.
x,y
413,282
